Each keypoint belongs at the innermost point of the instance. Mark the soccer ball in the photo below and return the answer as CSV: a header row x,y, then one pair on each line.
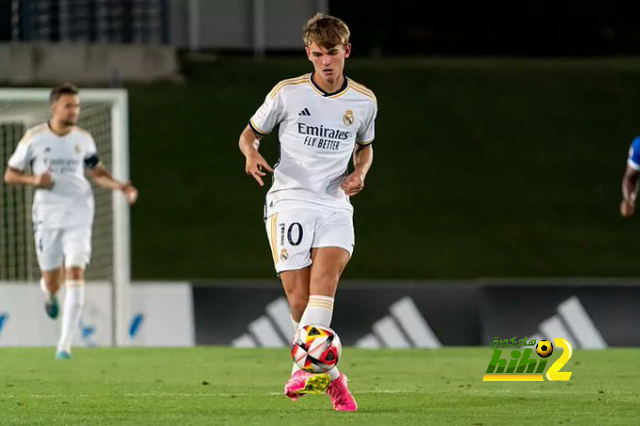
x,y
544,348
315,348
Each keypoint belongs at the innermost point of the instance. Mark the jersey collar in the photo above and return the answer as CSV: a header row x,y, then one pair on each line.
x,y
324,94
56,133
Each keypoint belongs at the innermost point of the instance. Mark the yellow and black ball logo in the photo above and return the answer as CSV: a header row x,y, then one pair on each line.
x,y
544,348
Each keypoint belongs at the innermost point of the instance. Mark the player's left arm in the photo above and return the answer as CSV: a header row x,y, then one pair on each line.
x,y
363,153
629,191
630,180
104,179
362,161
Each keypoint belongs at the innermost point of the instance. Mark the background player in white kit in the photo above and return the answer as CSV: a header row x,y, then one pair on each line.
x,y
59,154
325,119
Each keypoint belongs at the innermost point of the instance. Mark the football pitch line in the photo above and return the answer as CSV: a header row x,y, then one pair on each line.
x,y
184,395
279,394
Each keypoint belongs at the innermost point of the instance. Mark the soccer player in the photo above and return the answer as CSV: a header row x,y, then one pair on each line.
x,y
59,154
325,119
630,180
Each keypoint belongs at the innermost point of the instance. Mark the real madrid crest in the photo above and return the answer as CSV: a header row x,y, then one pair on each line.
x,y
77,149
284,254
348,118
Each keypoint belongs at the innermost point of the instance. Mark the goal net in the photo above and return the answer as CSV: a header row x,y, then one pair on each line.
x,y
104,115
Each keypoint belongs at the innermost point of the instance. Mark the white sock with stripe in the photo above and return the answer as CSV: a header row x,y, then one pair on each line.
x,y
71,312
319,311
295,329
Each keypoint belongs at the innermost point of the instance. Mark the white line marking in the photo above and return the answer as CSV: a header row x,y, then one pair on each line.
x,y
184,395
369,392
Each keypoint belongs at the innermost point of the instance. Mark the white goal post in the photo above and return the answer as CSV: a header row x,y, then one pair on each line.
x,y
104,113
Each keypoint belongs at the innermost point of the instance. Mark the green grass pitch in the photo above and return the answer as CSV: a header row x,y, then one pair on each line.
x,y
205,386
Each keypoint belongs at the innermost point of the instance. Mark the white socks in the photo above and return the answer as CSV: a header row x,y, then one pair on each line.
x,y
319,311
296,325
45,290
71,312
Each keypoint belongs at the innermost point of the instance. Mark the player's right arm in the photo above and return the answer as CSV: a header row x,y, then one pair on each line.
x,y
630,180
18,177
15,175
268,116
255,163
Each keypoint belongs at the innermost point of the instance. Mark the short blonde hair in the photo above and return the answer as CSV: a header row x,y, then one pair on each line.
x,y
325,31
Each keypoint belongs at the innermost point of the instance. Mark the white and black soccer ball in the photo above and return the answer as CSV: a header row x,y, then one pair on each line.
x,y
315,348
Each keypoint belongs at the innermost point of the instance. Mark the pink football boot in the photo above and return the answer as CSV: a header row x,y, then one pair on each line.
x,y
302,383
341,398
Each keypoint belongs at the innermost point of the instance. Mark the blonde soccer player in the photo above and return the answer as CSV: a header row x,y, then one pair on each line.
x,y
325,120
59,154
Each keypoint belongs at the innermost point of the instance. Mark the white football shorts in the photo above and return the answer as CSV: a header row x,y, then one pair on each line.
x,y
294,232
68,246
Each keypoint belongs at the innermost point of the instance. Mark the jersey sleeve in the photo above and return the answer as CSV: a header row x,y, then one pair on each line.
x,y
367,132
634,154
23,154
269,115
91,159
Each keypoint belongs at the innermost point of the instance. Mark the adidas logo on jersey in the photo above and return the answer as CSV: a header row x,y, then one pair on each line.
x,y
305,112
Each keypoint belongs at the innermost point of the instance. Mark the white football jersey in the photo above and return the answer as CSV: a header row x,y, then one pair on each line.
x,y
318,132
70,202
